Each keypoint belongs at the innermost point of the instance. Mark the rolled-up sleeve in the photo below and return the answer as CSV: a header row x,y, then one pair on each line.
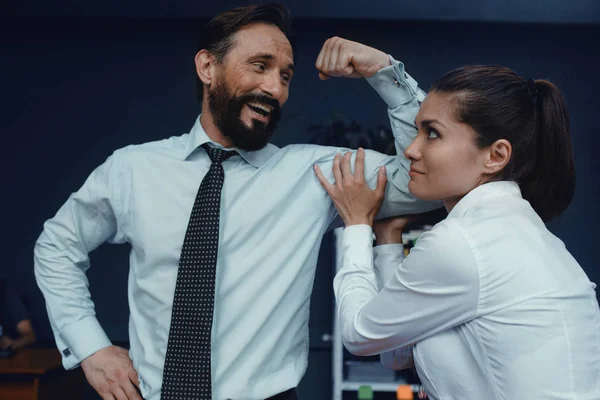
x,y
89,217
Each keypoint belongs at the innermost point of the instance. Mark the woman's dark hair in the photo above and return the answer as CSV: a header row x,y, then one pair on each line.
x,y
532,116
217,35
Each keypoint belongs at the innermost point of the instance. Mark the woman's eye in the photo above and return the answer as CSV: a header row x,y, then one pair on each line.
x,y
432,134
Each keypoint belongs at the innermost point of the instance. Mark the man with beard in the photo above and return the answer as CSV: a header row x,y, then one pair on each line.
x,y
224,227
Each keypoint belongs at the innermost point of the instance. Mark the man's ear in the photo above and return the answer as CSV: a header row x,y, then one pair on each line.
x,y
498,155
205,66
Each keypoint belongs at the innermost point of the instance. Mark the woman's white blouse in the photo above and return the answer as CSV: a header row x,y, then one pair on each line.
x,y
488,305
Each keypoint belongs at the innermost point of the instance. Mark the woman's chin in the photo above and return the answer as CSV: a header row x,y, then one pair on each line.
x,y
414,189
421,194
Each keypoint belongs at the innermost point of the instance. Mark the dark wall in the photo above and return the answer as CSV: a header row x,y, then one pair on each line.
x,y
76,89
544,11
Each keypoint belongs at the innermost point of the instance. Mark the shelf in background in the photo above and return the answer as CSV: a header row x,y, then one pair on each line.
x,y
377,386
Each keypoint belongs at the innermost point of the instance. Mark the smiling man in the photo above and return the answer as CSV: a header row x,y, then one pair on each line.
x,y
247,78
224,227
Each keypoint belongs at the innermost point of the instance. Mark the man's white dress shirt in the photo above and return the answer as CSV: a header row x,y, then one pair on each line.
x,y
274,213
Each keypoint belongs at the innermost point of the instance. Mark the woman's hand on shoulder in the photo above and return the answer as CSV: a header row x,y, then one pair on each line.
x,y
355,201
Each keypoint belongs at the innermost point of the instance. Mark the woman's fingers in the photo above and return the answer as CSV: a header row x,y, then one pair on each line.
x,y
337,171
359,165
381,182
324,182
346,168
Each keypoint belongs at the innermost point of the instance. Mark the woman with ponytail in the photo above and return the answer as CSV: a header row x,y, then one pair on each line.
x,y
489,304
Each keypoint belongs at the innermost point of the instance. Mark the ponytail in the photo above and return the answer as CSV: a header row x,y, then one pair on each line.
x,y
532,116
550,186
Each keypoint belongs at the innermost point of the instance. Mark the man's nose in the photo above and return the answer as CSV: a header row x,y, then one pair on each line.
x,y
272,86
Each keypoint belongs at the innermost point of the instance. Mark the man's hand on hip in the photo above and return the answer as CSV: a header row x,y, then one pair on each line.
x,y
110,372
345,58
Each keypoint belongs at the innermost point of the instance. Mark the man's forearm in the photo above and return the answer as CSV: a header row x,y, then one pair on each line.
x,y
70,308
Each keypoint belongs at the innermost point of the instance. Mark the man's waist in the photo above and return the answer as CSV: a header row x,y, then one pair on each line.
x,y
247,378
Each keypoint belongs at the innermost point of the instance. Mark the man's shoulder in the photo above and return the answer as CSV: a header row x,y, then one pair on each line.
x,y
170,147
307,148
286,152
271,149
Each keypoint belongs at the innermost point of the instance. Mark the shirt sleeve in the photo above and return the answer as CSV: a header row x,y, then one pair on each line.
x,y
386,259
88,218
403,97
434,289
398,359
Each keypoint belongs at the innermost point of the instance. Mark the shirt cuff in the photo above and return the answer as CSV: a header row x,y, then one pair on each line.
x,y
395,86
395,250
84,338
357,243
387,258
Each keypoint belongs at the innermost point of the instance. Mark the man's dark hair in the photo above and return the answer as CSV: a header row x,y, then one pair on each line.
x,y
217,36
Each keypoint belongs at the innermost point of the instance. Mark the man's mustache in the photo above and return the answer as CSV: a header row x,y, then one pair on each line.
x,y
260,98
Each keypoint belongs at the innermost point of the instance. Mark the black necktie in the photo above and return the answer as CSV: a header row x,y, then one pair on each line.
x,y
187,370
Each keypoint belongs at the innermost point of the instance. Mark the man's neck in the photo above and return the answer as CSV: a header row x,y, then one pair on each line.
x,y
208,124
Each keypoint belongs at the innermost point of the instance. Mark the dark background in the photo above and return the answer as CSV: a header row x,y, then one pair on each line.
x,y
81,79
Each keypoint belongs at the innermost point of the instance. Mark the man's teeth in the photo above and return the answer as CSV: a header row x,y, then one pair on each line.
x,y
266,109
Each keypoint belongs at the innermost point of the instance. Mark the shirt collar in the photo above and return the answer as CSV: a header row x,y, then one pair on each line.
x,y
198,137
487,190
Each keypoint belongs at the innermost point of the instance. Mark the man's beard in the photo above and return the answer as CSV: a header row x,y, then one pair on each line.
x,y
226,112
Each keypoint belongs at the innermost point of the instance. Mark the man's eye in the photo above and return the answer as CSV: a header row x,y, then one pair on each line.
x,y
286,78
260,66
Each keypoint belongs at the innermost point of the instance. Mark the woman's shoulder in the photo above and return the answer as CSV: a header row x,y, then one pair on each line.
x,y
444,233
447,250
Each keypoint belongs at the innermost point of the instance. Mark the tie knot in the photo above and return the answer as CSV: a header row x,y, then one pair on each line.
x,y
217,155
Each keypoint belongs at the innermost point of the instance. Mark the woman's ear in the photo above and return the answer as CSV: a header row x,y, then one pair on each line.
x,y
205,63
498,156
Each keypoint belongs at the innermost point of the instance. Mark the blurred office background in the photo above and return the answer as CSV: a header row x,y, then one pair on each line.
x,y
80,79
